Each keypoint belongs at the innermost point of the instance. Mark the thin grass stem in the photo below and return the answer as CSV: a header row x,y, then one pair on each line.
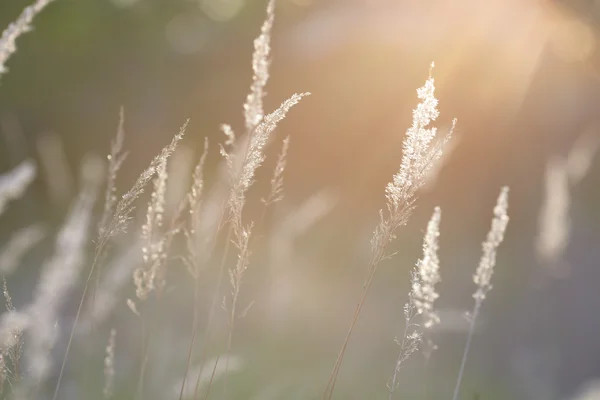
x,y
463,362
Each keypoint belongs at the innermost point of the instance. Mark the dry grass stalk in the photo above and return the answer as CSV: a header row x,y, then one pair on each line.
x,y
150,276
237,200
122,213
194,242
107,295
117,223
153,250
276,192
421,298
14,30
419,155
242,165
253,107
12,324
116,158
428,273
3,373
193,232
59,276
13,349
243,178
411,337
14,183
484,272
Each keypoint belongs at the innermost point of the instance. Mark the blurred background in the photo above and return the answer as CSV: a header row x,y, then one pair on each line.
x,y
521,77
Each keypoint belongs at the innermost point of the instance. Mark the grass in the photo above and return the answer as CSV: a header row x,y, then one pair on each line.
x,y
176,237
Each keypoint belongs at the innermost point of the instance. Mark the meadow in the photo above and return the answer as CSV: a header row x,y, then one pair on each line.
x,y
274,257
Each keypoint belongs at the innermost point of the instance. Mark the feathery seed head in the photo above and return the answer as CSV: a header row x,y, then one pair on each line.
x,y
16,29
153,251
255,153
484,272
126,205
195,195
427,270
276,193
253,107
419,154
14,183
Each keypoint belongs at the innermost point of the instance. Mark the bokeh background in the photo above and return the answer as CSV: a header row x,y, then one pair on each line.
x,y
521,77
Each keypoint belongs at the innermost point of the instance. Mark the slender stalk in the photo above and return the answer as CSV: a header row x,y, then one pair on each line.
x,y
229,340
16,29
99,251
212,377
213,306
400,200
485,270
333,377
398,362
143,358
194,333
147,329
17,368
234,301
92,329
197,304
149,324
467,347
376,258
